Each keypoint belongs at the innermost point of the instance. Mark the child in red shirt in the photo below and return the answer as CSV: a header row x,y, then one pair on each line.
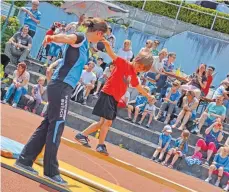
x,y
115,87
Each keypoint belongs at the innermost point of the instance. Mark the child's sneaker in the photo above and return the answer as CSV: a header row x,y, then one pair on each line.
x,y
14,105
26,108
206,163
208,179
42,114
226,188
57,179
82,139
147,125
153,158
101,148
128,118
4,101
139,123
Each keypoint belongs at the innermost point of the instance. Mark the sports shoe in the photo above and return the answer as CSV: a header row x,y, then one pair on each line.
x,y
147,125
82,139
14,105
4,101
101,148
128,118
25,168
56,179
206,163
42,114
26,108
226,188
84,102
208,179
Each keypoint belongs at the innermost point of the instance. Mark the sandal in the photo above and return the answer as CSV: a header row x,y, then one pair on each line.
x,y
164,163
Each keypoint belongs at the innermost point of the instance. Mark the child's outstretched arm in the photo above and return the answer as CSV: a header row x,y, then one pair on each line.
x,y
143,92
109,50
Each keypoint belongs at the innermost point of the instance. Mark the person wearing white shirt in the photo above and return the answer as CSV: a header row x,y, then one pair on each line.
x,y
88,79
158,61
126,52
101,81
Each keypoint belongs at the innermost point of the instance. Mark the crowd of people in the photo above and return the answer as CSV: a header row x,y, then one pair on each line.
x,y
164,95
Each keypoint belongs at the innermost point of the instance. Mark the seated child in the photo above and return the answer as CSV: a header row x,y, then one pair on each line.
x,y
136,106
36,98
149,109
164,141
220,161
179,150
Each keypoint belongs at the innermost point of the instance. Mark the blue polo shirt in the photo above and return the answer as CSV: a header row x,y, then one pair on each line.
x,y
165,139
70,68
28,21
174,96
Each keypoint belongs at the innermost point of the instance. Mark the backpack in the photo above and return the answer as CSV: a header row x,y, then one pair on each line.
x,y
78,93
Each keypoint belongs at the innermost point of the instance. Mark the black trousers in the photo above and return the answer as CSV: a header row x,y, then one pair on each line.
x,y
50,130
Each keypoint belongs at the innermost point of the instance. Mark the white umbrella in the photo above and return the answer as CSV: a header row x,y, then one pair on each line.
x,y
96,8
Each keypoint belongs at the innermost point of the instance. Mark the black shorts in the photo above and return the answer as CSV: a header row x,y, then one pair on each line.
x,y
106,107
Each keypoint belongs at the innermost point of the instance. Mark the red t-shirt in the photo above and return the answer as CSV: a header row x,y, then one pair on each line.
x,y
123,74
50,32
209,82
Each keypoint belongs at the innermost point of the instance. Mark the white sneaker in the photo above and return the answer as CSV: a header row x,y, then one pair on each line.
x,y
4,101
14,105
208,179
226,188
217,183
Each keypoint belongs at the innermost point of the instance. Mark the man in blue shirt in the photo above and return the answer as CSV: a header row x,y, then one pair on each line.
x,y
32,17
170,101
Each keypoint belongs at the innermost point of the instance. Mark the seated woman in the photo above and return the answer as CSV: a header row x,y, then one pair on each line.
x,y
219,163
190,103
198,81
19,85
179,150
214,135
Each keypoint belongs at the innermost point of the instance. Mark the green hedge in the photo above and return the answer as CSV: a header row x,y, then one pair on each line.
x,y
12,27
189,16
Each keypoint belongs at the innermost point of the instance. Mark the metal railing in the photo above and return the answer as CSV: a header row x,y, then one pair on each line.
x,y
180,6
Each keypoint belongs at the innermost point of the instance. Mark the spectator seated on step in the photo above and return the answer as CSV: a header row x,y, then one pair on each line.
x,y
88,79
110,37
163,144
32,17
190,103
170,101
164,81
180,149
19,86
98,70
222,90
214,110
155,45
102,80
149,110
197,81
211,143
137,106
220,162
125,52
56,48
35,99
19,46
209,75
